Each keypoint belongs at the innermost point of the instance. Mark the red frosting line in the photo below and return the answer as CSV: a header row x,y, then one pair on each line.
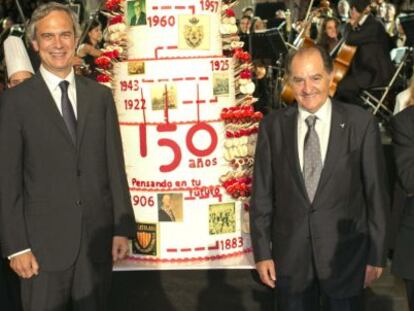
x,y
189,259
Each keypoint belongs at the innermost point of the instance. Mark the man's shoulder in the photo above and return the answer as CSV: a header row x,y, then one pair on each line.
x,y
276,116
91,86
21,91
352,112
405,115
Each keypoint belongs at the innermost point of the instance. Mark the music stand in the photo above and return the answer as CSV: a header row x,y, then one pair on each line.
x,y
268,44
407,23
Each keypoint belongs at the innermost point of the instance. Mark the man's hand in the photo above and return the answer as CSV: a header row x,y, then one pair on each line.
x,y
120,248
25,265
371,274
267,272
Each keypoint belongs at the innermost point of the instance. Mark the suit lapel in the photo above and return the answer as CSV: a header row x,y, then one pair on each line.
x,y
83,104
290,138
48,105
337,139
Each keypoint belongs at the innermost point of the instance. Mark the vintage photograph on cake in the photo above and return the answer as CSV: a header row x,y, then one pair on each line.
x,y
221,218
194,32
136,68
220,84
170,207
146,241
136,13
163,95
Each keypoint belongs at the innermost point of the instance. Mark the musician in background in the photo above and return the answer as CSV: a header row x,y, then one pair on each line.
x,y
371,65
258,25
244,30
329,35
379,8
245,24
89,49
391,24
248,11
297,8
405,6
263,91
343,10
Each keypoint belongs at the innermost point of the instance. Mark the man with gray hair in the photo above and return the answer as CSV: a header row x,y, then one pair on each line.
x,y
65,209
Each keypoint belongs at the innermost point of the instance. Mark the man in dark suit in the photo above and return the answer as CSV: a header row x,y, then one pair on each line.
x,y
19,68
165,211
140,17
319,204
65,210
371,66
403,144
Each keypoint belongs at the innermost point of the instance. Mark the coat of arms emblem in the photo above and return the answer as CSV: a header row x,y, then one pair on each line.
x,y
193,33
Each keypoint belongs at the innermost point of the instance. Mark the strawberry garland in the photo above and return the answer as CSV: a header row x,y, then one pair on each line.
x,y
116,43
241,121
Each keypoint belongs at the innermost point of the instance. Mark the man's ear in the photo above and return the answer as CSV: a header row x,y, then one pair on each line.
x,y
35,45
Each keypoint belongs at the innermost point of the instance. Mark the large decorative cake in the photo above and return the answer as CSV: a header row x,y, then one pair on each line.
x,y
182,89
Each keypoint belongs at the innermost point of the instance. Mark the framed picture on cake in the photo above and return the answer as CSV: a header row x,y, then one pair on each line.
x,y
136,12
136,68
170,207
163,96
193,32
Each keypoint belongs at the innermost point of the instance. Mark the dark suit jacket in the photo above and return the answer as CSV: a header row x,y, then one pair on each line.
x,y
344,229
403,144
53,193
141,20
371,65
163,216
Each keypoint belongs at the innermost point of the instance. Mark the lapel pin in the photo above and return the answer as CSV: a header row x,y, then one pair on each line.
x,y
342,125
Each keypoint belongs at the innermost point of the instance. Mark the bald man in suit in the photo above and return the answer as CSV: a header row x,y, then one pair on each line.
x,y
320,203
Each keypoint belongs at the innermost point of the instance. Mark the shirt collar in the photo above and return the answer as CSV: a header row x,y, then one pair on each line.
x,y
323,114
53,81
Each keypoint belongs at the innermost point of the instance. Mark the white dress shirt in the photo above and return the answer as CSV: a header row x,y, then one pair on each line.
x,y
402,100
322,127
52,82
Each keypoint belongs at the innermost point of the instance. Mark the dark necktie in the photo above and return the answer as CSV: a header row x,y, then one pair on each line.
x,y
312,161
67,110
